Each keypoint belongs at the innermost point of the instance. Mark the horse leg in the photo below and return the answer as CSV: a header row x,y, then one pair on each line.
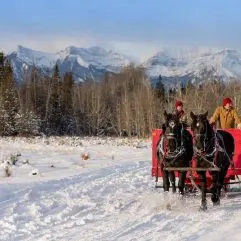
x,y
220,183
165,178
181,182
202,177
173,181
166,186
214,189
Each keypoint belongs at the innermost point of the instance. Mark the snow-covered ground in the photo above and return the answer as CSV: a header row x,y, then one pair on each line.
x,y
110,196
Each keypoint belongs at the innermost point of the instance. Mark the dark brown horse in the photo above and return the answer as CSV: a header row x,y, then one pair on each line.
x,y
212,149
174,149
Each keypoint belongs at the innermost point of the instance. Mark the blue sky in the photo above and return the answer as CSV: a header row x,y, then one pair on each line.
x,y
135,26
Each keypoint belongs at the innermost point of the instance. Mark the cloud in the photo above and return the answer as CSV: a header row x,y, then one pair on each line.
x,y
139,50
55,43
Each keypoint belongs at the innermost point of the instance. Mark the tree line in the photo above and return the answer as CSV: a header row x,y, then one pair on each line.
x,y
124,104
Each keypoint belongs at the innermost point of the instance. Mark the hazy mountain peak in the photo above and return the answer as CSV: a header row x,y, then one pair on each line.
x,y
92,62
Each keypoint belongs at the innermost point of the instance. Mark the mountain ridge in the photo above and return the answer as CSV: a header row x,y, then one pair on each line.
x,y
91,63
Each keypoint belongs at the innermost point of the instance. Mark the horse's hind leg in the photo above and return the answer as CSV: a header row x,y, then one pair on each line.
x,y
173,181
215,187
220,182
181,182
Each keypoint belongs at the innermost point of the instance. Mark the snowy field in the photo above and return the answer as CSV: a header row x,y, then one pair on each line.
x,y
110,196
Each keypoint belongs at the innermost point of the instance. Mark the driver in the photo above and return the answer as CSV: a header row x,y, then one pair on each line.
x,y
226,115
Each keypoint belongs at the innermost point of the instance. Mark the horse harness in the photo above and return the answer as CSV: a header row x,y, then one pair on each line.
x,y
214,153
205,154
178,152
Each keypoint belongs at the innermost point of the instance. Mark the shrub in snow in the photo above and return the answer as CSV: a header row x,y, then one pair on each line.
x,y
13,159
70,141
7,170
85,156
46,142
26,162
34,172
61,142
76,142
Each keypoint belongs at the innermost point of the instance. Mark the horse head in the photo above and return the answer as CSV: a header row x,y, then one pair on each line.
x,y
202,131
172,131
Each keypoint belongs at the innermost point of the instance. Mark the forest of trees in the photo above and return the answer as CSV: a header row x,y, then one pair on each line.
x,y
120,104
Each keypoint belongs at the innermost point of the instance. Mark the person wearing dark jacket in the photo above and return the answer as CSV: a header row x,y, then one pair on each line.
x,y
180,112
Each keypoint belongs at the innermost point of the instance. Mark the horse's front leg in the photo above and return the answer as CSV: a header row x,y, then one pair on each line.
x,y
202,177
181,182
165,178
173,181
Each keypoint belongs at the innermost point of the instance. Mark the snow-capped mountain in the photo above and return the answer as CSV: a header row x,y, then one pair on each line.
x,y
84,63
223,64
173,65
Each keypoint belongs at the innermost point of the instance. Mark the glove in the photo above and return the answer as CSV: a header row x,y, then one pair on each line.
x,y
239,126
211,122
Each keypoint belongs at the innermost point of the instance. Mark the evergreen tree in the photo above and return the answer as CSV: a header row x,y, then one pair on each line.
x,y
1,66
8,98
27,123
67,125
53,113
160,89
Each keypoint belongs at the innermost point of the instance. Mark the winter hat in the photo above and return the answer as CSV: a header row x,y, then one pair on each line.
x,y
227,101
178,103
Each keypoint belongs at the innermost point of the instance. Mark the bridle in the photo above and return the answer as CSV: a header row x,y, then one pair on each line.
x,y
207,143
179,150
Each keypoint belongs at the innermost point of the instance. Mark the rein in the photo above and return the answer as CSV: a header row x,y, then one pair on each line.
x,y
204,154
179,151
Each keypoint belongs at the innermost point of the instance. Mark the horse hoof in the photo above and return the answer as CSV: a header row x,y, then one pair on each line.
x,y
181,194
203,208
215,199
217,203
